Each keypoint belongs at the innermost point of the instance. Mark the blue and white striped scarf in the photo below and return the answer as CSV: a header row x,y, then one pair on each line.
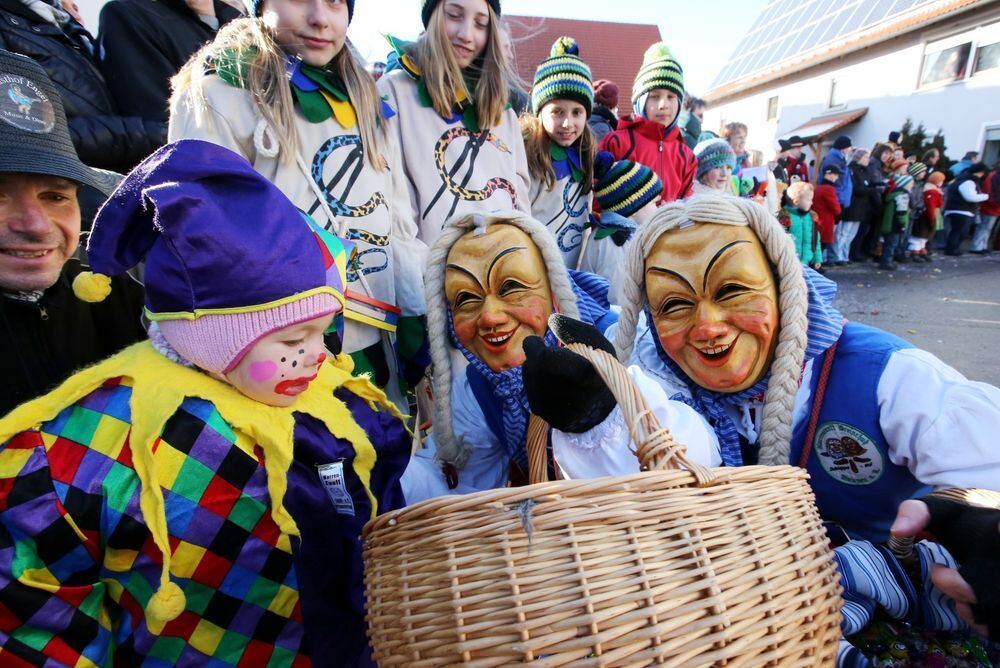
x,y
825,325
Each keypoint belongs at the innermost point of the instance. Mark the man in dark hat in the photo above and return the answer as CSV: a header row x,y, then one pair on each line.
x,y
796,162
45,332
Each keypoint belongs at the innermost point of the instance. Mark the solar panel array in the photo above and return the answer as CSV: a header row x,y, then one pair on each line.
x,y
786,28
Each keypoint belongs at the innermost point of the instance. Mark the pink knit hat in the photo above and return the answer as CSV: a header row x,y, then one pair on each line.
x,y
217,343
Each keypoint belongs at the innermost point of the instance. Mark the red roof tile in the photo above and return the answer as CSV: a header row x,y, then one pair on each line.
x,y
613,50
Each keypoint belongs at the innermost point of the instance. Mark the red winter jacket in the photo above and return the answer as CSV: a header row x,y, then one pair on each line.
x,y
827,207
662,150
991,187
798,167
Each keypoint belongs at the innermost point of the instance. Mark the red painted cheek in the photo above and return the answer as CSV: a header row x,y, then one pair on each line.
x,y
465,331
673,341
533,314
759,318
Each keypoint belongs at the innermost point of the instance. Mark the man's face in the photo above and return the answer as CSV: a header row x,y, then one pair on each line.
x,y
498,290
714,304
39,229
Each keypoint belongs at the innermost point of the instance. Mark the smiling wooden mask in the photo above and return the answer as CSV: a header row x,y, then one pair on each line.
x,y
498,292
714,304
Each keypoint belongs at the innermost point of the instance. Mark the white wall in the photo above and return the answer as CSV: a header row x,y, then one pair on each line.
x,y
884,79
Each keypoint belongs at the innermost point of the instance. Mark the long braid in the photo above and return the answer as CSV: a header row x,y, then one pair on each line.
x,y
786,369
448,448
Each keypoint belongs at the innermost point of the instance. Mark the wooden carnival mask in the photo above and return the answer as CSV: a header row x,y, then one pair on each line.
x,y
714,303
497,287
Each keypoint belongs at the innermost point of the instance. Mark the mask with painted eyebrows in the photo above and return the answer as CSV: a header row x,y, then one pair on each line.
x,y
497,287
714,303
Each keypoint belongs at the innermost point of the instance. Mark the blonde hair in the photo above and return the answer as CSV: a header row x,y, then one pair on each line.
x,y
796,190
536,146
444,78
261,73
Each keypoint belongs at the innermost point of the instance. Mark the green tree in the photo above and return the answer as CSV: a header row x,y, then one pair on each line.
x,y
914,141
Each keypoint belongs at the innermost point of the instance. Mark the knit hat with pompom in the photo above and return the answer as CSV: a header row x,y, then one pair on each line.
x,y
624,187
563,76
713,153
659,70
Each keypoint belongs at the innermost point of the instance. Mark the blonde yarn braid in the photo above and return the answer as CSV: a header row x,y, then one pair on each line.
x,y
448,448
786,369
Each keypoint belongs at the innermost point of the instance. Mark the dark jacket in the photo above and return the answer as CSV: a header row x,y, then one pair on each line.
x,y
602,121
103,137
866,200
143,43
953,199
43,343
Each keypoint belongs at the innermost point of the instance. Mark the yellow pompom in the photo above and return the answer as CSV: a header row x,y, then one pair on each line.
x,y
565,46
167,603
91,287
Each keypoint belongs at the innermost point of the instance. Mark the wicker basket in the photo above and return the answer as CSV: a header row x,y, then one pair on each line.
x,y
683,567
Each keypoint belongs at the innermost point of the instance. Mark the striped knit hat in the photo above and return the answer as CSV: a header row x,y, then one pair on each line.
x,y
713,153
563,76
902,181
429,6
659,70
916,169
624,187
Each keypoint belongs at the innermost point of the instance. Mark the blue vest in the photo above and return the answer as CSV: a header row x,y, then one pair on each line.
x,y
856,485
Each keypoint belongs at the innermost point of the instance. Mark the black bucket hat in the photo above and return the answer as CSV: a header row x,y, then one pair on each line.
x,y
34,136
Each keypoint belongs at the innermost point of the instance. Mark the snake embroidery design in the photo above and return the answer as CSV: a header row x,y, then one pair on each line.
x,y
569,234
470,152
370,260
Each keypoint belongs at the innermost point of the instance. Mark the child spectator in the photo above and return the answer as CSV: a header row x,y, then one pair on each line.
x,y
801,222
716,163
895,217
461,145
650,136
918,171
736,134
604,118
308,117
560,147
931,219
198,499
627,193
827,208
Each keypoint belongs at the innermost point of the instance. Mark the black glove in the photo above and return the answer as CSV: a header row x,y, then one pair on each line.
x,y
972,535
562,387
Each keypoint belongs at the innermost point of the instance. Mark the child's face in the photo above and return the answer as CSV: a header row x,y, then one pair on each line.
x,y
280,366
662,106
717,177
564,121
805,200
313,30
738,141
832,177
467,28
643,215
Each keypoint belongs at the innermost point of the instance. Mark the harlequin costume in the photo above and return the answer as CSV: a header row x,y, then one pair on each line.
x,y
155,515
873,420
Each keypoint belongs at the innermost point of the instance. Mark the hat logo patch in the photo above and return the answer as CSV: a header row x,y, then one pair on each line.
x,y
24,105
848,454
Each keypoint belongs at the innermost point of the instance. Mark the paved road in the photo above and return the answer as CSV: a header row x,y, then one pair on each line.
x,y
950,307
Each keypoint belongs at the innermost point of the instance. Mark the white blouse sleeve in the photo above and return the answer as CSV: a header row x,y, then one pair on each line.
x,y
607,449
939,424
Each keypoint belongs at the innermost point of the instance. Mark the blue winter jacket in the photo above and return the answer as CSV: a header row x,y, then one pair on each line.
x,y
845,185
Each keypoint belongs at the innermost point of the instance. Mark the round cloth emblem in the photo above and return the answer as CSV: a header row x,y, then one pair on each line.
x,y
848,454
25,105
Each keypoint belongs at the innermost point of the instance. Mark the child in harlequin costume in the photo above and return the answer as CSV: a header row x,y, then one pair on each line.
x,y
492,283
627,193
460,141
716,164
651,136
560,147
308,117
197,499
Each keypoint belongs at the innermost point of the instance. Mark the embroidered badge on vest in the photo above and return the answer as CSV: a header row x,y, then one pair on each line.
x,y
848,454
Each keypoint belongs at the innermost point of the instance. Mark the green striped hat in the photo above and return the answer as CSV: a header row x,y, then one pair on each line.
x,y
624,187
563,76
659,70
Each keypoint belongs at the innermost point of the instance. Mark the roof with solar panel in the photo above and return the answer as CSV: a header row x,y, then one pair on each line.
x,y
793,35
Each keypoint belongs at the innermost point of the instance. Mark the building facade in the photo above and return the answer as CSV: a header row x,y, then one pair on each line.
x,y
818,69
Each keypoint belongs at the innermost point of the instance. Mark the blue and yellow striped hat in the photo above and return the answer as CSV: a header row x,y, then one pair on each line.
x,y
563,76
624,187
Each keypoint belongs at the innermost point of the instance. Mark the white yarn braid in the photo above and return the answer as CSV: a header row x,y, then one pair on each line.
x,y
448,448
786,369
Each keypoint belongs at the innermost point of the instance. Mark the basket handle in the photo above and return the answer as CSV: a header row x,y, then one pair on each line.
x,y
656,449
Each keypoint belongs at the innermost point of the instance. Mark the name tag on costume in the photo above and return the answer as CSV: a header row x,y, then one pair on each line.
x,y
332,476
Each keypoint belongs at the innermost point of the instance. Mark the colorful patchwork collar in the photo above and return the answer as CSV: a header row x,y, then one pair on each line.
x,y
566,162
